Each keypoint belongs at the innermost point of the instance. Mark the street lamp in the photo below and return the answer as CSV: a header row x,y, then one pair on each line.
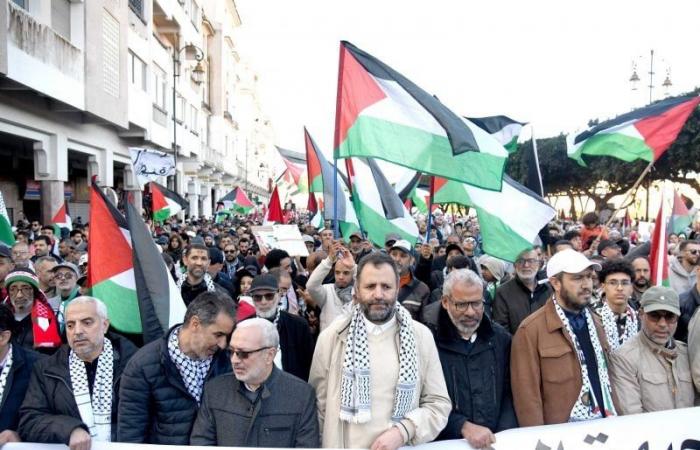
x,y
198,78
635,80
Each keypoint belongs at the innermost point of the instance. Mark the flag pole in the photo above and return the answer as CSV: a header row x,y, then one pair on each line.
x,y
629,192
430,208
336,138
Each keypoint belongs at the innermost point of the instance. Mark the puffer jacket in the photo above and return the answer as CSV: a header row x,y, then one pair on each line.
x,y
155,406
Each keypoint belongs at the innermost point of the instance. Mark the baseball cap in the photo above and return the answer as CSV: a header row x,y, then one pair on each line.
x,y
606,243
66,265
451,247
660,298
263,283
357,234
5,251
162,240
308,238
402,244
569,261
216,256
391,237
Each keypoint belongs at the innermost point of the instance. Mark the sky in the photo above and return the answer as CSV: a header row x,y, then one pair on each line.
x,y
554,64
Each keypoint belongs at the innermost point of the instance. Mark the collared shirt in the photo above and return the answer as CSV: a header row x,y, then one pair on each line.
x,y
376,330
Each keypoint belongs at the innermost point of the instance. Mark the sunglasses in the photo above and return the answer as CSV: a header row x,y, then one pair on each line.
x,y
656,316
269,297
243,354
64,276
229,251
694,252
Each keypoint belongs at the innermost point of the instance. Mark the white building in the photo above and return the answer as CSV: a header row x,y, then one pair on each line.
x,y
85,80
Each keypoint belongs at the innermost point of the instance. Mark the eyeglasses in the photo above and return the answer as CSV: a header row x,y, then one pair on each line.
x,y
26,290
464,306
244,354
619,283
527,261
229,251
269,297
64,276
694,252
656,316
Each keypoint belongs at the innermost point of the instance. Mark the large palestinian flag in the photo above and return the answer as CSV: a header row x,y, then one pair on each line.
x,y
322,174
510,220
165,203
504,129
110,263
7,237
237,201
645,133
382,114
377,205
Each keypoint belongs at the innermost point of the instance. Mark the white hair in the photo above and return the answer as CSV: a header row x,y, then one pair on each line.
x,y
270,336
462,276
86,299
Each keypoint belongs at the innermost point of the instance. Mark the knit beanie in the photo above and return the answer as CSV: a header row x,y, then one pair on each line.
x,y
22,274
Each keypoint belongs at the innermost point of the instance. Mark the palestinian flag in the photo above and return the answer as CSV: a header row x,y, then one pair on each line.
x,y
381,114
504,129
7,237
680,217
505,230
165,203
293,174
274,209
160,303
62,219
237,201
221,213
645,133
377,205
324,176
658,256
110,263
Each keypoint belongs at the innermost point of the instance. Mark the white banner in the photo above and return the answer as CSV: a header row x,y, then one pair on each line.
x,y
149,165
667,430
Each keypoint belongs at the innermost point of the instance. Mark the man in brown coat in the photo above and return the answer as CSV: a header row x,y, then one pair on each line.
x,y
559,369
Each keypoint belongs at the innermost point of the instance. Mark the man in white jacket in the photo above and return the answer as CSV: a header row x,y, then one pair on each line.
x,y
334,299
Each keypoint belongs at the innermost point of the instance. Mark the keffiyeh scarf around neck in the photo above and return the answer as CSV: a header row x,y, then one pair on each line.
x,y
193,372
608,317
207,280
355,388
5,373
586,406
96,409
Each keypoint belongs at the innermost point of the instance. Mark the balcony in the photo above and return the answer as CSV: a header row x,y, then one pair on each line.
x,y
42,60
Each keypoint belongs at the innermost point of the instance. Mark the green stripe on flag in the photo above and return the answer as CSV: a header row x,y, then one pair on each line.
x,y
161,215
122,305
6,236
618,145
377,226
499,239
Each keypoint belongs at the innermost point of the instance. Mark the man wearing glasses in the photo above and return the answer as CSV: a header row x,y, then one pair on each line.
x,y
475,357
613,313
65,277
651,372
521,296
257,405
681,269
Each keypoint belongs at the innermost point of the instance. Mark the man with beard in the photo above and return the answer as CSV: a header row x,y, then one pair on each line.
x,y
161,388
681,269
195,279
521,296
44,272
42,247
377,374
613,312
559,370
413,293
66,278
641,281
475,357
296,344
20,255
334,299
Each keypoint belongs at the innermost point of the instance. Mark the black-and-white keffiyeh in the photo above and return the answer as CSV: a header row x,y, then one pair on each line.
x,y
610,325
193,372
5,372
96,410
207,280
586,406
355,388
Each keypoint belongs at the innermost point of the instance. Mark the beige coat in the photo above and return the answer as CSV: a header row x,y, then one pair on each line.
x,y
694,348
647,377
431,408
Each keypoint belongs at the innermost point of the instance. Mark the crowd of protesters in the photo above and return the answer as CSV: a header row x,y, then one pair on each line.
x,y
352,346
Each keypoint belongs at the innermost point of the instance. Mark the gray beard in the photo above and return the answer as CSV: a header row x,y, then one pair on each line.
x,y
344,294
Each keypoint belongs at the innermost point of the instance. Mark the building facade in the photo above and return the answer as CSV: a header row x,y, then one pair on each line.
x,y
82,81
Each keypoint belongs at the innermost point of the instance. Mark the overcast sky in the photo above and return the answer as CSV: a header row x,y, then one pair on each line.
x,y
555,64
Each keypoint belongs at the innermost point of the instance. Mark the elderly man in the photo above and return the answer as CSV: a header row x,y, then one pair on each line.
x,y
613,313
20,254
413,293
15,369
681,269
559,370
334,299
296,343
521,296
475,357
36,326
162,385
196,279
241,409
71,398
377,373
651,372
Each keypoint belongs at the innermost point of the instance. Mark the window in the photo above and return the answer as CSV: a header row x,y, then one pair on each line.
x,y
138,75
193,119
159,87
180,108
20,3
137,7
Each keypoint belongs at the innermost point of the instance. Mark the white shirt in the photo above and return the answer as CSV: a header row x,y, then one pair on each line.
x,y
373,328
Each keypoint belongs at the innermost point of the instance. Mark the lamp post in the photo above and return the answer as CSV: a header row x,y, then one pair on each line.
x,y
198,78
635,79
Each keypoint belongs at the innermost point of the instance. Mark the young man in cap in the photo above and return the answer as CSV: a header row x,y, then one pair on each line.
x,y
66,279
651,372
413,293
559,368
609,249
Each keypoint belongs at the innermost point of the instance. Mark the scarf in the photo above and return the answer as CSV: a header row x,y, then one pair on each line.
x,y
344,294
5,373
586,406
96,409
193,372
631,326
355,392
44,324
182,277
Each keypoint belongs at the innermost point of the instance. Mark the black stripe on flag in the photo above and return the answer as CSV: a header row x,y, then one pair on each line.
x,y
391,203
492,124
